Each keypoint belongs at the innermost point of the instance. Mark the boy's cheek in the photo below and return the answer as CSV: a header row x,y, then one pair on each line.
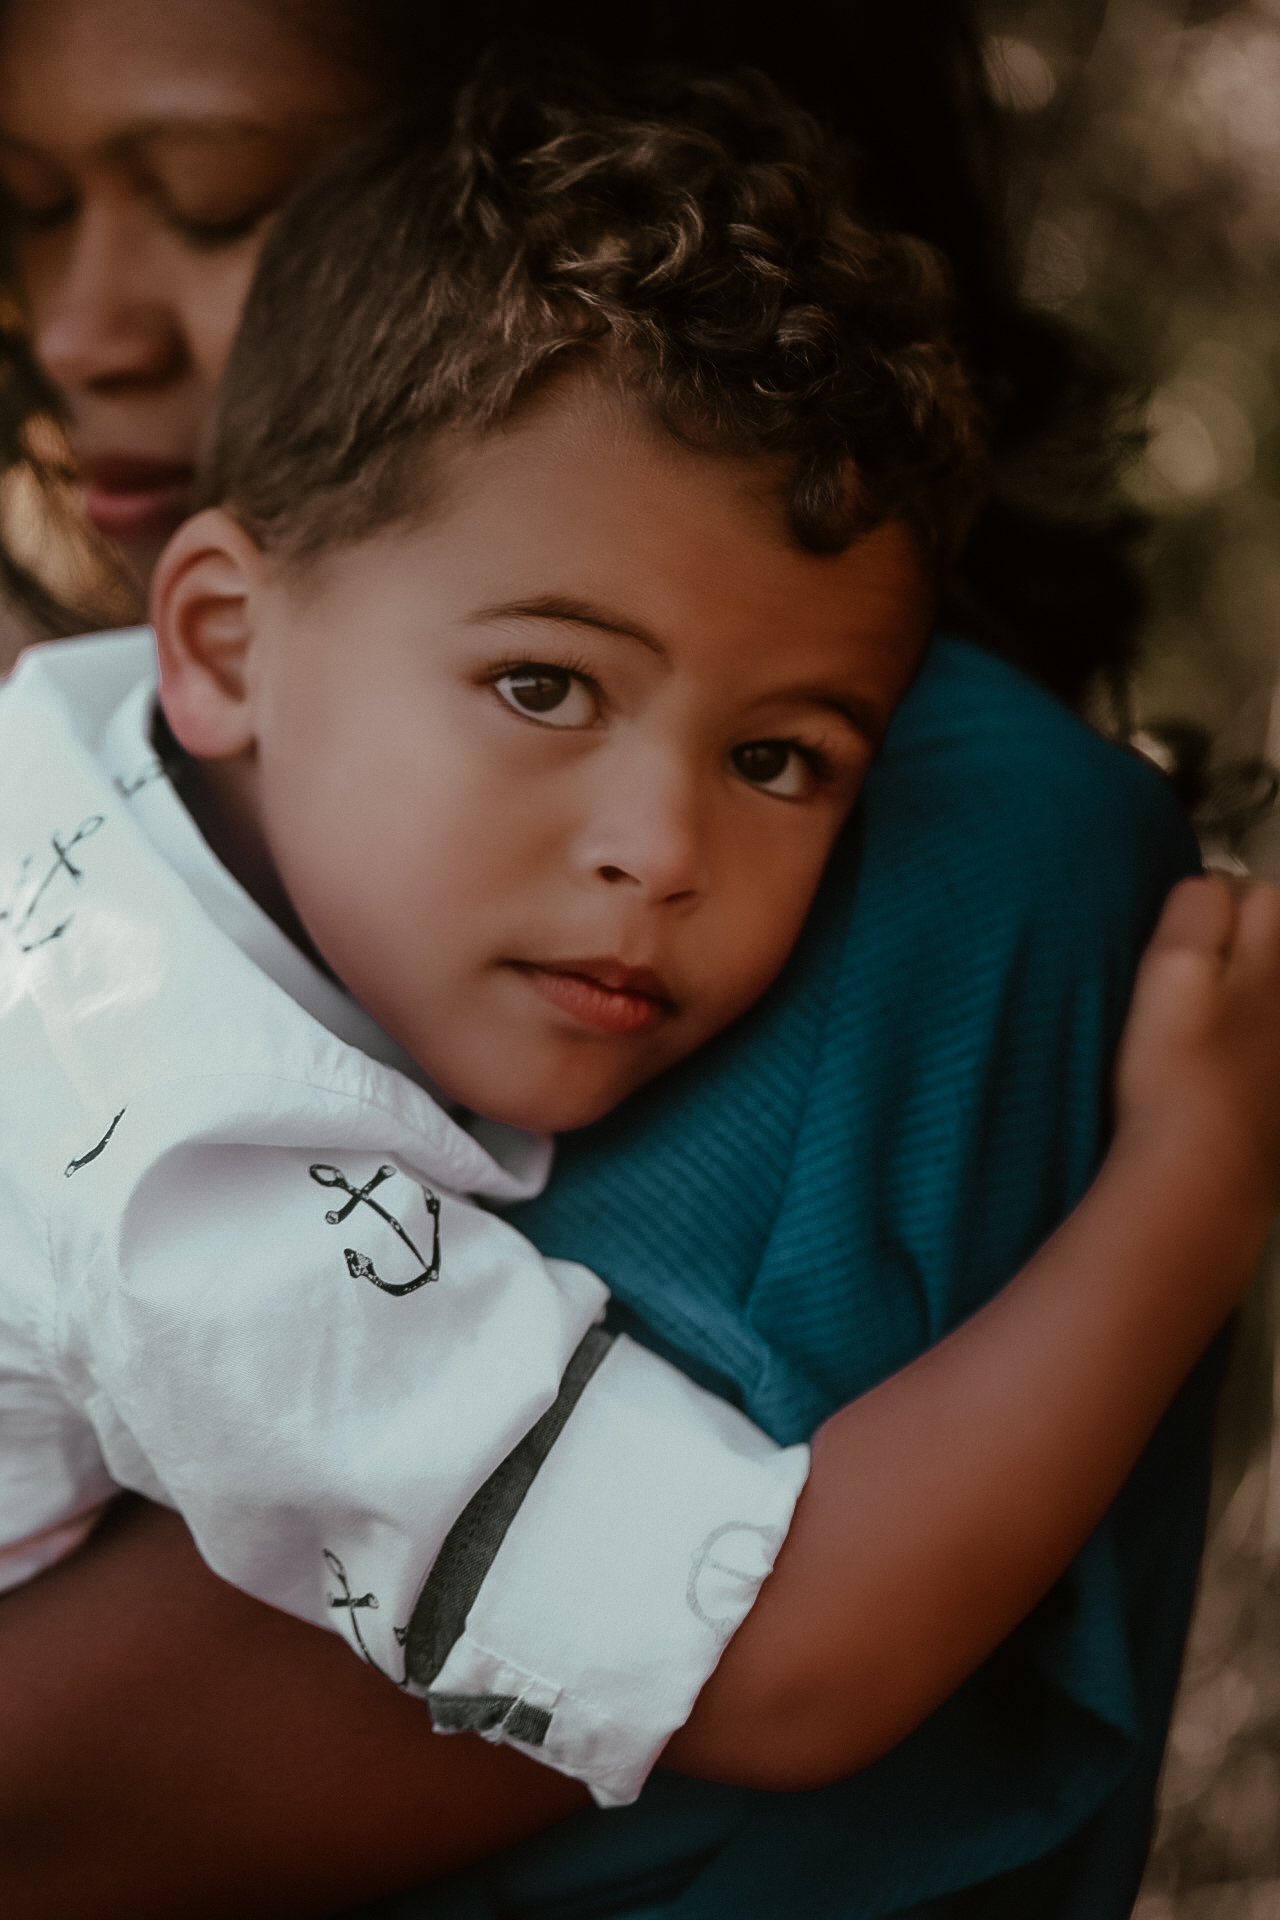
x,y
775,887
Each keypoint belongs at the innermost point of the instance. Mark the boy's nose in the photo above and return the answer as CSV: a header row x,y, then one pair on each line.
x,y
651,836
651,882
98,324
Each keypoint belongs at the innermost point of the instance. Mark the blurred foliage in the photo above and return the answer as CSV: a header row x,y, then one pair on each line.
x,y
1146,208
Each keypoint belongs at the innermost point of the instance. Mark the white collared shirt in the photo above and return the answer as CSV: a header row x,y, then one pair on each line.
x,y
243,1276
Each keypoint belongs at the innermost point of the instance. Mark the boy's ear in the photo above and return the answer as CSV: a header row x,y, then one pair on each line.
x,y
205,600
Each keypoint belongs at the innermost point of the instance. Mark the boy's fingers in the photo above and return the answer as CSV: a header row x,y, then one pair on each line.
x,y
1237,919
1258,938
1199,914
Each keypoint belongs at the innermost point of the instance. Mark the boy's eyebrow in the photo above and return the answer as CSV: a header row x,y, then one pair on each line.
x,y
569,611
861,715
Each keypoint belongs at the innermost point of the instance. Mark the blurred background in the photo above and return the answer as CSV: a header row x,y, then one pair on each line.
x,y
1147,211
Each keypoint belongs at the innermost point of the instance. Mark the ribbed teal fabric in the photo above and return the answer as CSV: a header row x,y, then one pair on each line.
x,y
805,1205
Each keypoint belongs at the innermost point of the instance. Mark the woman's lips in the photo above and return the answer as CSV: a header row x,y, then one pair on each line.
x,y
603,994
131,498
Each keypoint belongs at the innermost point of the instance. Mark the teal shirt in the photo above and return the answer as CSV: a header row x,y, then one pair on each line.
x,y
805,1205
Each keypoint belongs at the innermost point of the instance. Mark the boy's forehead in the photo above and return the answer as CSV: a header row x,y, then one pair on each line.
x,y
582,511
584,436
593,472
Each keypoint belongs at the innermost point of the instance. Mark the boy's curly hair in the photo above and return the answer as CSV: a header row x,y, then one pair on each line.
x,y
694,239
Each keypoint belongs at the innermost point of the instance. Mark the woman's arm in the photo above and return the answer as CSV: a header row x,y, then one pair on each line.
x,y
169,1746
942,1505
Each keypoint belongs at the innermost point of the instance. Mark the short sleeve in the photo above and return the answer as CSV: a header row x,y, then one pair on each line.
x,y
308,1350
595,1614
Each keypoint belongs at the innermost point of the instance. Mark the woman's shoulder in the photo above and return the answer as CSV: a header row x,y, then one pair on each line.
x,y
1001,777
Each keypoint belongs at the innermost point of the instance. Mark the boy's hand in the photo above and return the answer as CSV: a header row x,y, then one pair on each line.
x,y
1198,1075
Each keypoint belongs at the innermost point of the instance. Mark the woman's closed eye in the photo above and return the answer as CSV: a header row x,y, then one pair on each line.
x,y
36,197
552,696
42,218
206,236
780,767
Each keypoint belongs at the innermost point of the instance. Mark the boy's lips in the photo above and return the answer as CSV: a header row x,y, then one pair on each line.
x,y
601,993
132,497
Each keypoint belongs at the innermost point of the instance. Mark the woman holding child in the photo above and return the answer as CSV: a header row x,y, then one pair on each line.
x,y
792,1215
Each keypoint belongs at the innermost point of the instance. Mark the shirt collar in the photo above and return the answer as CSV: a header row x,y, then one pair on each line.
x,y
138,775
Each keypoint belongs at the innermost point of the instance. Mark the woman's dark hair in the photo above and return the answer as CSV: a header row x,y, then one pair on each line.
x,y
1047,575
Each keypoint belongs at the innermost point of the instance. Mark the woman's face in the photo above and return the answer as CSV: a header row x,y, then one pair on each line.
x,y
145,145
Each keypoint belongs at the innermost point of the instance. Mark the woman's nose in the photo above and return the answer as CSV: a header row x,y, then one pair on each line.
x,y
98,324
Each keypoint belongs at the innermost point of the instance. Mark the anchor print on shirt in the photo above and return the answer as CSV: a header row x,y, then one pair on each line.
x,y
350,1603
359,1265
87,1159
35,912
127,785
450,1712
726,1570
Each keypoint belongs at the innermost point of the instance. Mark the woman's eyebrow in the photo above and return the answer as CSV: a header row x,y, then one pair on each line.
x,y
213,127
220,128
231,126
194,126
10,143
568,611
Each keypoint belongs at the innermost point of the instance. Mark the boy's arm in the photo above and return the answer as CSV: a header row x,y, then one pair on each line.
x,y
944,1503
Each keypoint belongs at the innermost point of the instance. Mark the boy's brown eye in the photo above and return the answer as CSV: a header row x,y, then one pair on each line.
x,y
762,761
538,689
552,695
775,766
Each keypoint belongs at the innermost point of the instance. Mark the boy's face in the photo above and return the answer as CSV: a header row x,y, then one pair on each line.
x,y
550,775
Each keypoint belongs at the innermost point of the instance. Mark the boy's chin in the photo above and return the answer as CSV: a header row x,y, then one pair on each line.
x,y
562,1111
521,1081
560,1104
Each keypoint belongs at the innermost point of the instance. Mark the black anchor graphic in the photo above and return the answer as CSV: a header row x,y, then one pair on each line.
x,y
62,863
359,1265
351,1602
147,775
74,1166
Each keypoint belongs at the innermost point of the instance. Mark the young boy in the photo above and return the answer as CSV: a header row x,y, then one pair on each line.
x,y
521,673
